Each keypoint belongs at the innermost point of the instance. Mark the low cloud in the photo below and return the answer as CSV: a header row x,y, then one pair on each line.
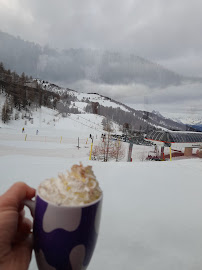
x,y
151,29
169,34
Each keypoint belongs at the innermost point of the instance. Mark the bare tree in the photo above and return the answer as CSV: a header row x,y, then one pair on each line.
x,y
107,125
108,150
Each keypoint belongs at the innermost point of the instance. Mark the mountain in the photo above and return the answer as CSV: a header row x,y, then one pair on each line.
x,y
111,109
73,65
191,118
22,95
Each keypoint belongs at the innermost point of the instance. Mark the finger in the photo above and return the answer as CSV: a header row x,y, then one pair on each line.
x,y
25,225
23,232
26,244
23,252
15,195
22,213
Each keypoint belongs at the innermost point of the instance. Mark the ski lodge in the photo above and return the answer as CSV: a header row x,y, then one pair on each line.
x,y
174,139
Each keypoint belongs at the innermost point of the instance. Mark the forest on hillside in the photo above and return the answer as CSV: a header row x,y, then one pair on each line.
x,y
22,93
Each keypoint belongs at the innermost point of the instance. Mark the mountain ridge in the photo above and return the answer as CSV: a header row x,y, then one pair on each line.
x,y
143,120
72,65
24,95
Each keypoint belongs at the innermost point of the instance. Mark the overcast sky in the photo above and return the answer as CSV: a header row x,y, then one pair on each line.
x,y
167,32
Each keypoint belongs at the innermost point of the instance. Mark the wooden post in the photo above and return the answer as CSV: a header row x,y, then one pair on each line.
x,y
162,153
170,154
91,151
130,152
118,148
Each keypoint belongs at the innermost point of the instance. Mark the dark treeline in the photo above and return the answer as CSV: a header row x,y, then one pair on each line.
x,y
23,93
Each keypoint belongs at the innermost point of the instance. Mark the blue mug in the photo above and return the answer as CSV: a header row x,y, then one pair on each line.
x,y
64,236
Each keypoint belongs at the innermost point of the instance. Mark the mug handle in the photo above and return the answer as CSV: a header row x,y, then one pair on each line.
x,y
31,205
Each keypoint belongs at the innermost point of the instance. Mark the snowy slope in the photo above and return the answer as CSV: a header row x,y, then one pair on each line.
x,y
104,101
74,102
151,215
47,119
92,97
81,100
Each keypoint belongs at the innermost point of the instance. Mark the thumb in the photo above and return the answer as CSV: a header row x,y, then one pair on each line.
x,y
13,198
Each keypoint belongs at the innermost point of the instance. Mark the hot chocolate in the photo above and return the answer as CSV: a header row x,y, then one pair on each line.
x,y
77,187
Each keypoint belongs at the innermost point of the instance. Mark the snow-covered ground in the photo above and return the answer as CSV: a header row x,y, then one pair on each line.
x,y
92,97
152,211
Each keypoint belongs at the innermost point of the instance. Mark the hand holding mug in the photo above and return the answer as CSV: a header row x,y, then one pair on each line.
x,y
64,236
66,215
15,236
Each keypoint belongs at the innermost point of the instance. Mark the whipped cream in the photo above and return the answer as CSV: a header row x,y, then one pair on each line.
x,y
77,187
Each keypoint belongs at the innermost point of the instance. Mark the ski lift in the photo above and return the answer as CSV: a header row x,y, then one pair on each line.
x,y
153,155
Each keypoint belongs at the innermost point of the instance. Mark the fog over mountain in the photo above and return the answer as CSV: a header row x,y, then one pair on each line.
x,y
125,76
73,65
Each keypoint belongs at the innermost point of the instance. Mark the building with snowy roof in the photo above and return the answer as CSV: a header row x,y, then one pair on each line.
x,y
167,138
183,139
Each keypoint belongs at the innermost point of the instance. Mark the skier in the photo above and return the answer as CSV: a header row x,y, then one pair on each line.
x,y
91,137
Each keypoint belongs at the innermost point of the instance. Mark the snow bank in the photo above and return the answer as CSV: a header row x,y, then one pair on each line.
x,y
151,218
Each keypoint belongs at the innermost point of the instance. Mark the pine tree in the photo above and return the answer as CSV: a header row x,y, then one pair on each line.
x,y
6,111
22,79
